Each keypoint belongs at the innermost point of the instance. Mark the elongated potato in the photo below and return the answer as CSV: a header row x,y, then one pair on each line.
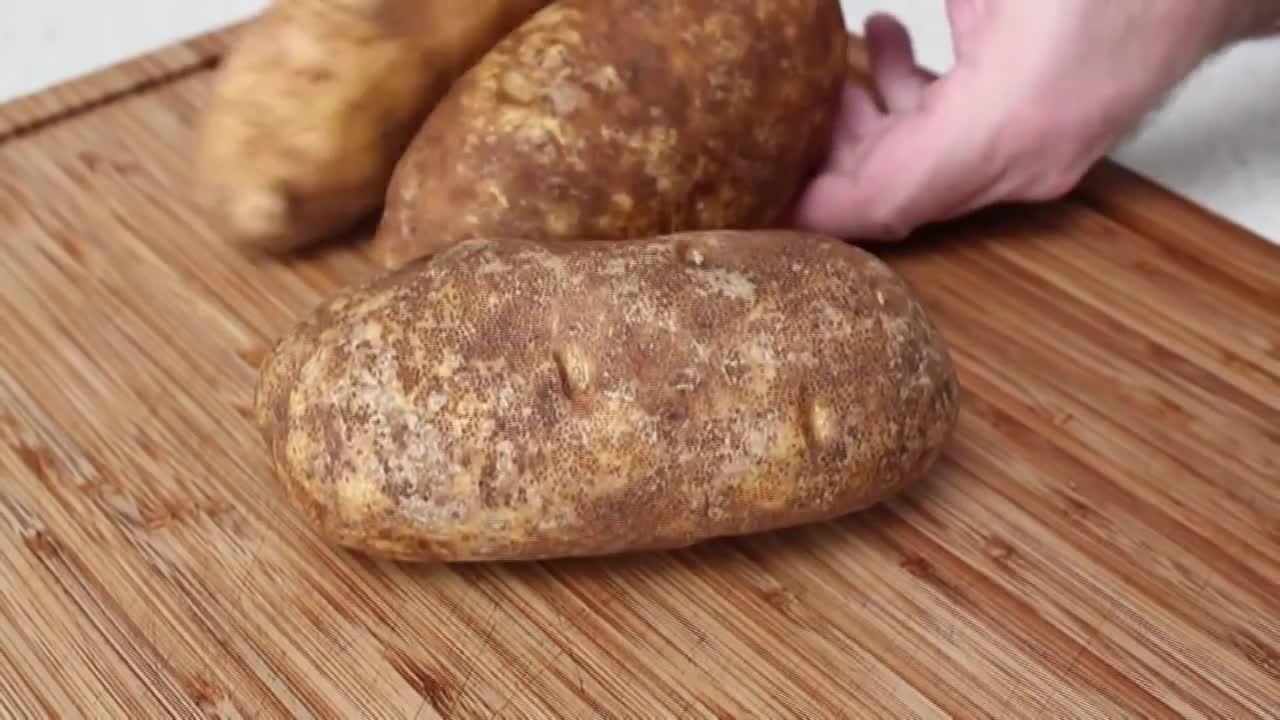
x,y
318,101
516,400
612,119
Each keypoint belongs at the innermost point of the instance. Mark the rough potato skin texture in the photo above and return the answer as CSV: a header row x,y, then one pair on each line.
x,y
319,99
613,119
518,400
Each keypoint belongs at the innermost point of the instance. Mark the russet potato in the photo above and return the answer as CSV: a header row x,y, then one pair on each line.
x,y
615,119
520,399
316,103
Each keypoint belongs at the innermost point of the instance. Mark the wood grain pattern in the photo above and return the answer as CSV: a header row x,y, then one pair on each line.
x,y
1101,541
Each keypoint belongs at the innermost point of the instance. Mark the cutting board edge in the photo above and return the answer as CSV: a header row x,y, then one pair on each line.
x,y
29,113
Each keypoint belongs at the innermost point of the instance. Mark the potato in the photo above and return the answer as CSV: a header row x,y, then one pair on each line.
x,y
615,119
512,400
319,99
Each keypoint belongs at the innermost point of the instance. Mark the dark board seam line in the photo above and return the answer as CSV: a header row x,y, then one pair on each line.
x,y
141,87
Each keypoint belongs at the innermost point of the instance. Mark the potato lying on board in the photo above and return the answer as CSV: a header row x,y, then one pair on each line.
x,y
610,119
517,400
317,102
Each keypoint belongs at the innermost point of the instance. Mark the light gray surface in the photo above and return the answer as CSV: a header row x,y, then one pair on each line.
x,y
1217,141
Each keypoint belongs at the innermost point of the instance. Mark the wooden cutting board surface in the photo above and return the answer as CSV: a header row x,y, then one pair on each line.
x,y
1102,540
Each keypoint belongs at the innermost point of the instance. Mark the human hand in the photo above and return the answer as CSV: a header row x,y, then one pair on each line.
x,y
1040,91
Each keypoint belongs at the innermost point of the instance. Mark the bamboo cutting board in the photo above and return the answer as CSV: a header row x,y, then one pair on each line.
x,y
1102,539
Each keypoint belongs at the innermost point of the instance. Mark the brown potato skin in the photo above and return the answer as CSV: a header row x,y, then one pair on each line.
x,y
613,119
521,400
317,102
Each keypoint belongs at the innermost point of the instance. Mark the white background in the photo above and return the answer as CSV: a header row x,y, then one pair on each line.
x,y
1217,141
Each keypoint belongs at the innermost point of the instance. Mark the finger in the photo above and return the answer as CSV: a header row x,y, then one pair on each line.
x,y
858,114
923,167
900,81
967,19
859,118
827,206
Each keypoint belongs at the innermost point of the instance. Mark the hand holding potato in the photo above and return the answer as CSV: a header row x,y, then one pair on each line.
x,y
1040,91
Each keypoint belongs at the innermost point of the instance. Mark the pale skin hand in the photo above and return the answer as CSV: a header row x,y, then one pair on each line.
x,y
1039,92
